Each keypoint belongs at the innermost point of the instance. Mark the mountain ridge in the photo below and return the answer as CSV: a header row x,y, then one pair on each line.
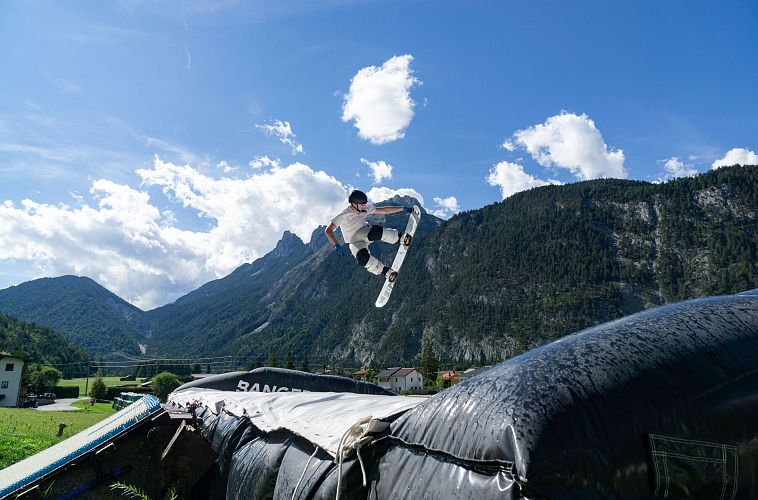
x,y
486,284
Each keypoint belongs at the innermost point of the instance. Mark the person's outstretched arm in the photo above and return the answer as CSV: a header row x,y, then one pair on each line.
x,y
392,210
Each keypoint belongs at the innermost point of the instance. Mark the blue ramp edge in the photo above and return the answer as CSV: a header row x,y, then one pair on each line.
x,y
33,468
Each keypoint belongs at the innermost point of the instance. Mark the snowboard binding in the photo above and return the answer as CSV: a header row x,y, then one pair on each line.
x,y
407,239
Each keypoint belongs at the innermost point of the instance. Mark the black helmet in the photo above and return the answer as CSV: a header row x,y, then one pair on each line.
x,y
358,197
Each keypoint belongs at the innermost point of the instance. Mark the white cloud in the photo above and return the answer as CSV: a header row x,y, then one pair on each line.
x,y
445,207
379,100
264,161
131,247
511,179
673,167
283,130
736,156
508,145
379,169
572,142
377,194
226,167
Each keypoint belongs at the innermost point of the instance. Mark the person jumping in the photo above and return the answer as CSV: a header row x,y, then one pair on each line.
x,y
358,233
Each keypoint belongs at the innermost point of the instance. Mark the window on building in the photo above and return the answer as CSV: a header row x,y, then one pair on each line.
x,y
9,367
4,384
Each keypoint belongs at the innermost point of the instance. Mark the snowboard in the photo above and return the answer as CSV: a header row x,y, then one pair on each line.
x,y
389,282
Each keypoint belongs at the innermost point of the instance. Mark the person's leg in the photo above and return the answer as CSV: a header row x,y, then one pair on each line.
x,y
359,249
385,234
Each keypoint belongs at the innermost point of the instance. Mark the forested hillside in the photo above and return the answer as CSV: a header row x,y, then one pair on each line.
x,y
491,283
80,309
40,345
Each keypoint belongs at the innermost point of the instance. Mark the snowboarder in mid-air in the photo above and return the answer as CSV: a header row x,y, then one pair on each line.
x,y
358,233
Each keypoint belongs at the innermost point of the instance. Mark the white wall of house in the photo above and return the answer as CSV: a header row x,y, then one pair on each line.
x,y
10,380
410,382
414,381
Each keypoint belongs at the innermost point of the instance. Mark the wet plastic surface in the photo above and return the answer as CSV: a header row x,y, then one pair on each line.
x,y
575,416
659,404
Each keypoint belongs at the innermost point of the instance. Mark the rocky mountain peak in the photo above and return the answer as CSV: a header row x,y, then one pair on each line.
x,y
288,245
318,240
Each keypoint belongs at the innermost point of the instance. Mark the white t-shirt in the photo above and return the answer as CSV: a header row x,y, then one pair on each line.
x,y
350,221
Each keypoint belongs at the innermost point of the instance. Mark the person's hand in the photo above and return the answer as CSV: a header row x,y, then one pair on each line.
x,y
340,249
407,208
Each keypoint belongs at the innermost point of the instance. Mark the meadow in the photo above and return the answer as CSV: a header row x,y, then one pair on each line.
x,y
80,382
24,431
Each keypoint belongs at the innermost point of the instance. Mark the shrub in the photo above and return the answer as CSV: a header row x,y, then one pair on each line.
x,y
98,389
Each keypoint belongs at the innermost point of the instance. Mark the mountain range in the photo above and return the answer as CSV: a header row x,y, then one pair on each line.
x,y
483,286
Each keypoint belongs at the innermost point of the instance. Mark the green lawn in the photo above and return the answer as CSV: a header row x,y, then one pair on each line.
x,y
79,382
24,432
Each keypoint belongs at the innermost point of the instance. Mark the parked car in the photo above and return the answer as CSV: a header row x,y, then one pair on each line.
x,y
30,401
46,398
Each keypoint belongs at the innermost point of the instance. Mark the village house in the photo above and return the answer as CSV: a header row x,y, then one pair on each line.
x,y
471,372
10,379
448,378
400,379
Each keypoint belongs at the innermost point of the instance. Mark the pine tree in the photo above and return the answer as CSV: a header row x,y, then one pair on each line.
x,y
429,365
289,363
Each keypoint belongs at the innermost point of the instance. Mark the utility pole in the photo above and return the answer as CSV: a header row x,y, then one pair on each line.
x,y
86,382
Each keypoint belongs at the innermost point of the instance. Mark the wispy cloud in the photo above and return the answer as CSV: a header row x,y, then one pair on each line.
x,y
283,130
62,83
379,169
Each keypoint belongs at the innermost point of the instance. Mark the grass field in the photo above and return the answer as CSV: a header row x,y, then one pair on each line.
x,y
79,382
24,432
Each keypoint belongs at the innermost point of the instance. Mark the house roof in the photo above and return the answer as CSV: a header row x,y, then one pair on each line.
x,y
4,354
360,372
448,374
472,373
396,372
387,373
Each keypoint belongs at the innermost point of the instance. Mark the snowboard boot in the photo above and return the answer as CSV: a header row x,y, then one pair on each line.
x,y
389,274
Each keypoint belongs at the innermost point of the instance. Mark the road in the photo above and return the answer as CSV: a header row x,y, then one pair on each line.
x,y
61,405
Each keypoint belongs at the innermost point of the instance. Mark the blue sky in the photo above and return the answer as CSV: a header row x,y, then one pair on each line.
x,y
154,146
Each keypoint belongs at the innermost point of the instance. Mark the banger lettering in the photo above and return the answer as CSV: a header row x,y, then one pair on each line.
x,y
243,386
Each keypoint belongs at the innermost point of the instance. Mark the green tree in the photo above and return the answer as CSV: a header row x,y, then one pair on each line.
x,y
429,365
289,363
43,378
164,384
98,389
273,359
305,366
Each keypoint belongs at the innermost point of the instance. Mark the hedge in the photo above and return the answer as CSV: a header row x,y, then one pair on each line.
x,y
66,392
